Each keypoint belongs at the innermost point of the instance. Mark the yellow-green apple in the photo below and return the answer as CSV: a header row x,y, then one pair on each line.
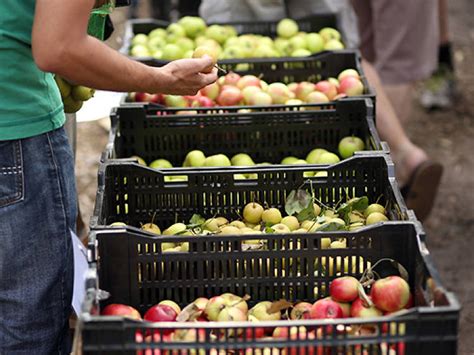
x,y
314,42
301,52
327,88
175,101
172,51
280,228
301,310
328,158
209,51
390,294
261,311
157,32
360,309
344,289
248,80
279,93
316,209
229,230
287,28
195,158
329,33
238,224
192,25
348,72
230,96
175,31
314,155
351,86
175,229
294,102
333,45
260,98
303,89
117,309
316,97
218,33
374,207
252,212
185,44
242,159
288,160
227,300
291,222
375,217
140,50
292,87
140,38
271,216
325,308
202,101
152,228
211,91
217,160
249,92
160,164
349,145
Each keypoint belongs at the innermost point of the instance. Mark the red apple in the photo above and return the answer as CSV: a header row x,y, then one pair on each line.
x,y
292,87
211,91
117,309
327,88
348,72
316,97
359,309
326,308
290,332
390,293
202,101
303,90
411,302
351,86
339,96
344,289
279,93
346,309
301,310
161,313
142,97
254,333
231,79
157,98
230,96
248,80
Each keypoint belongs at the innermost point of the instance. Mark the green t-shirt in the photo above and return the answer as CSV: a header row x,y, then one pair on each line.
x,y
30,102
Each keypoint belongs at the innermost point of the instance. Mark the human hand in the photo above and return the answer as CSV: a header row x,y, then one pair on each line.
x,y
186,76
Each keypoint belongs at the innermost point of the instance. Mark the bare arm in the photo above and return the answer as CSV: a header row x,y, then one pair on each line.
x,y
61,45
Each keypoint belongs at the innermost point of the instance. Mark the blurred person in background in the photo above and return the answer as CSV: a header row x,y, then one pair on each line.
x,y
440,92
38,202
396,54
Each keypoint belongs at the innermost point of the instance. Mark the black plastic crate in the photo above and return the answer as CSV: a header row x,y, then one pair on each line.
x,y
135,271
133,194
312,23
287,70
266,134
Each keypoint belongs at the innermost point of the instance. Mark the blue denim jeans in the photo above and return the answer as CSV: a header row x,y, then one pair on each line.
x,y
38,209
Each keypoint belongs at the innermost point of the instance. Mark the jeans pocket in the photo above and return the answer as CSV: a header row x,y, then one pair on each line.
x,y
11,172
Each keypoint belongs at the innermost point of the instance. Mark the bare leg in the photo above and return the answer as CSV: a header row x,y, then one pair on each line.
x,y
406,155
401,97
443,22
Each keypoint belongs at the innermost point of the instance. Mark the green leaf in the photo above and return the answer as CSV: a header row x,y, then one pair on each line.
x,y
330,227
360,203
297,201
307,213
197,220
269,230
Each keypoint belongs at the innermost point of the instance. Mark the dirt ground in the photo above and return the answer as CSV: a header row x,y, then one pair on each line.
x,y
447,136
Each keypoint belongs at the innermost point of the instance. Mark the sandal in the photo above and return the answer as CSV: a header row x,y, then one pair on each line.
x,y
421,189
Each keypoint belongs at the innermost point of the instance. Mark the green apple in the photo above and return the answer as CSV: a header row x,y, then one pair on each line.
x,y
271,216
175,101
193,26
282,45
287,28
265,51
316,209
71,105
185,44
328,158
242,159
281,228
231,41
209,51
349,145
156,43
333,45
63,85
238,224
288,160
249,92
229,230
314,155
175,30
299,162
218,33
175,229
232,52
172,52
296,42
374,207
140,50
118,224
217,160
329,33
252,212
301,53
152,228
160,164
157,54
314,42
375,217
157,32
140,39
82,93
195,158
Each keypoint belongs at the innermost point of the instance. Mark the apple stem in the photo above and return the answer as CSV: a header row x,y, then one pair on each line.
x,y
221,69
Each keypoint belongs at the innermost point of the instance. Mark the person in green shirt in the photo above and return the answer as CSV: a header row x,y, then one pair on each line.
x,y
37,188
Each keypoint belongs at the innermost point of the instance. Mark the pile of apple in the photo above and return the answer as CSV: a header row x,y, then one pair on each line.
x,y
196,158
73,96
179,40
250,90
347,298
303,216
